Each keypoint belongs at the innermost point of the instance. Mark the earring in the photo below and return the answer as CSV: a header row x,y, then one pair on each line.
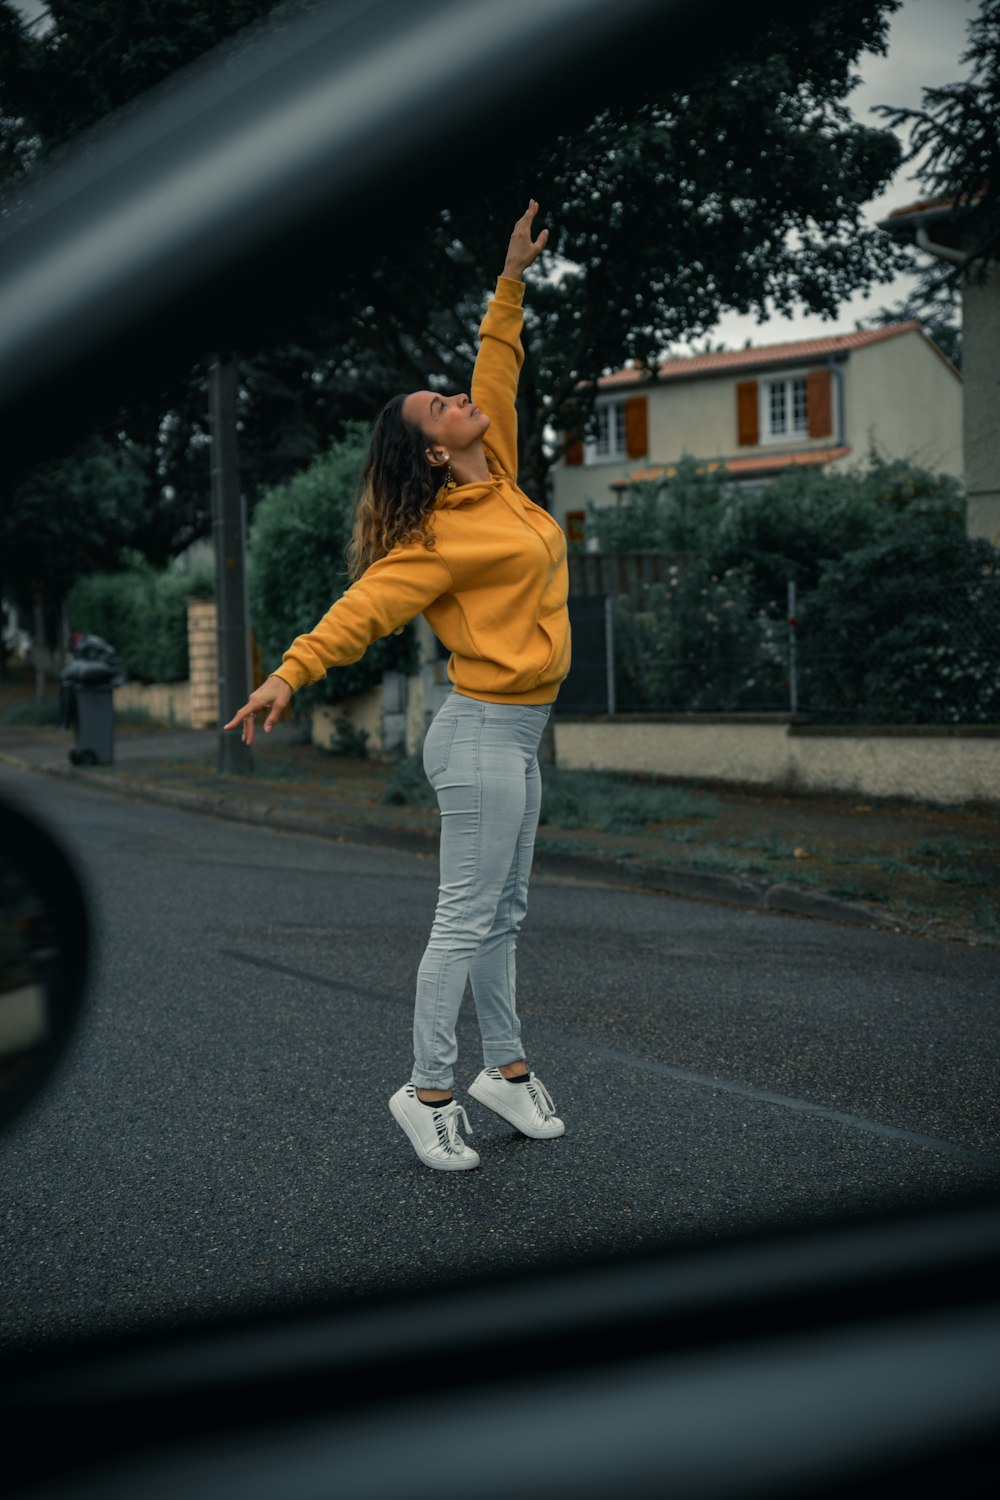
x,y
448,479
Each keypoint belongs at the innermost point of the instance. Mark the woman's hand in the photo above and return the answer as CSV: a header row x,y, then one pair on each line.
x,y
523,250
272,697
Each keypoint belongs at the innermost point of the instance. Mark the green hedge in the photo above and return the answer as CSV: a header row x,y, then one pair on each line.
x,y
143,614
297,568
898,610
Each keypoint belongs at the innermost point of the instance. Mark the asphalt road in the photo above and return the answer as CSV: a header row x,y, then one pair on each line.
x,y
219,1139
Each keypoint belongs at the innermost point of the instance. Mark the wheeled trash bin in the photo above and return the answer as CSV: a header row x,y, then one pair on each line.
x,y
86,701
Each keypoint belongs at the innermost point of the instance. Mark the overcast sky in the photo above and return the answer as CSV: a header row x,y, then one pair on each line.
x,y
926,39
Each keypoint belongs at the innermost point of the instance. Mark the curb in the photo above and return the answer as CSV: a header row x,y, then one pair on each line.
x,y
691,885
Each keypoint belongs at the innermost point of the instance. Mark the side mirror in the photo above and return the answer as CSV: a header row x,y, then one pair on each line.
x,y
45,943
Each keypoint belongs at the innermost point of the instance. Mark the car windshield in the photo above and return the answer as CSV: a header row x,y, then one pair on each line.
x,y
224,251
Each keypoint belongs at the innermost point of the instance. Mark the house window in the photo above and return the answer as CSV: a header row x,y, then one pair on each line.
x,y
784,411
610,439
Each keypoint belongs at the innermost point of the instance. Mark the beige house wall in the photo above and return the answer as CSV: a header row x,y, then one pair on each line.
x,y
573,485
948,768
899,395
904,400
696,417
981,349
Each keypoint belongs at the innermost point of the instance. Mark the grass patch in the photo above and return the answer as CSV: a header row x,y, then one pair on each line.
x,y
591,799
942,849
408,786
958,875
579,799
33,712
853,890
890,863
987,916
276,770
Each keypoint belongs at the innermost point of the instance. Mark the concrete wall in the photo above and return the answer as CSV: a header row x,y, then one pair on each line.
x,y
365,713
950,766
164,702
904,399
980,349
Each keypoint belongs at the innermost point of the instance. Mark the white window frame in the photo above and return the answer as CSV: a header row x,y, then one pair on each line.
x,y
611,447
790,433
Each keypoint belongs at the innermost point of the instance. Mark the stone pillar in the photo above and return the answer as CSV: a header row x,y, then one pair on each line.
x,y
204,665
980,346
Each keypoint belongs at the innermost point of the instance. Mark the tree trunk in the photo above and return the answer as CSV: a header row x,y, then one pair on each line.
x,y
39,645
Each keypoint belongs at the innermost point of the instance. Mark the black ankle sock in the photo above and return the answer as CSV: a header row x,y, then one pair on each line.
x,y
434,1103
521,1078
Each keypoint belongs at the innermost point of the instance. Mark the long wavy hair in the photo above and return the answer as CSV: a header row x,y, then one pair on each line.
x,y
396,491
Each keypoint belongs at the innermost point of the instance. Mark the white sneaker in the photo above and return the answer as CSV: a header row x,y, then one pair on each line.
x,y
434,1132
526,1106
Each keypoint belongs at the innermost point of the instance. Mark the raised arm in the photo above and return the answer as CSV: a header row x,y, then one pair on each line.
x,y
501,355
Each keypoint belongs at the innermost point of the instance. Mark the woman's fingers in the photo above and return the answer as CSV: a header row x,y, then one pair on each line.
x,y
525,248
247,717
238,716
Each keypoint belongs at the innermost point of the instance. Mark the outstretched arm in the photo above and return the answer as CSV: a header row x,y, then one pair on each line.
x,y
501,355
393,590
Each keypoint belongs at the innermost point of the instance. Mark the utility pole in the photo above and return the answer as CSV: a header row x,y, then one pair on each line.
x,y
229,536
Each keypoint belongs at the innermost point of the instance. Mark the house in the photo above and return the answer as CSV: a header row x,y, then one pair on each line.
x,y
824,401
941,228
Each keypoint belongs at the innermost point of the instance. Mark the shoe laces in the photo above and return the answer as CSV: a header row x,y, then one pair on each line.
x,y
540,1095
446,1122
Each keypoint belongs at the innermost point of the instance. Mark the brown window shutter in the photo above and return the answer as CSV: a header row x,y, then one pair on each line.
x,y
574,453
746,413
818,404
575,525
636,427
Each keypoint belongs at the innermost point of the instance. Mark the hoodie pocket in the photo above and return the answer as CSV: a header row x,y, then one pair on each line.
x,y
550,653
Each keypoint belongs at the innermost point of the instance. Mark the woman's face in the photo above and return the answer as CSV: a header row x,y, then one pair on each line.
x,y
449,423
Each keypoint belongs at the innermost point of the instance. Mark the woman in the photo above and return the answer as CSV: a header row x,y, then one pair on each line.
x,y
443,530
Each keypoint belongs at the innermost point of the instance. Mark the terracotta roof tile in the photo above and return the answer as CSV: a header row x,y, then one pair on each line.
x,y
755,463
733,360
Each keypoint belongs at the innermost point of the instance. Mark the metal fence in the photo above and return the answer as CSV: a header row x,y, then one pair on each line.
x,y
662,646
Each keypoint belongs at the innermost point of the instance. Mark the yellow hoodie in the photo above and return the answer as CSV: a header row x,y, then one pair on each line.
x,y
494,588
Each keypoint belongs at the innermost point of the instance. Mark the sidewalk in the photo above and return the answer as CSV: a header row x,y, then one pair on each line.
x,y
925,870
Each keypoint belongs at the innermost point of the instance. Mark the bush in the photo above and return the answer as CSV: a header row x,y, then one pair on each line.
x,y
794,528
897,617
680,514
143,614
408,786
696,645
297,567
905,630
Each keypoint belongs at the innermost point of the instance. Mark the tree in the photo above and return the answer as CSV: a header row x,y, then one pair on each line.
x,y
741,187
68,517
297,568
95,61
955,139
955,136
935,302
